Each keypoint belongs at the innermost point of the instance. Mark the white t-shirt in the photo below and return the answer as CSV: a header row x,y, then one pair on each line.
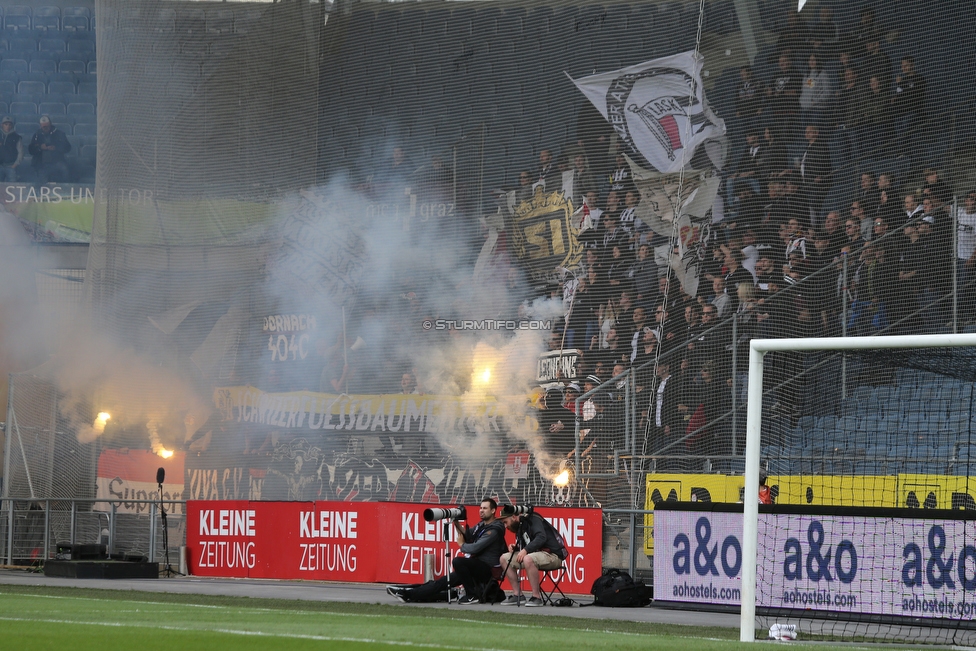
x,y
966,238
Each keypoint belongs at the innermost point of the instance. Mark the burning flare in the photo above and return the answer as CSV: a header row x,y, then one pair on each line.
x,y
164,453
561,480
100,421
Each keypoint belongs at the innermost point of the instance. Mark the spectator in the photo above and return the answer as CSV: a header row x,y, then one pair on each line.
x,y
936,189
722,300
876,63
48,148
11,150
966,255
612,208
866,30
583,180
643,274
547,174
937,278
783,92
749,97
874,124
750,165
665,417
816,96
831,239
775,162
814,173
824,34
866,223
853,242
525,187
736,274
867,194
847,113
908,101
888,207
620,180
794,36
911,269
912,209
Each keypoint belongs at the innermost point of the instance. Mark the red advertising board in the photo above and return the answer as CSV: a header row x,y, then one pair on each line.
x,y
361,542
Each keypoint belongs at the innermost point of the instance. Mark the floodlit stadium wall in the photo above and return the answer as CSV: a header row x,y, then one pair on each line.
x,y
363,250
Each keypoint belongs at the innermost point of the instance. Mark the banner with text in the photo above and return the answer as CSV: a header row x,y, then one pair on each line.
x,y
878,565
359,541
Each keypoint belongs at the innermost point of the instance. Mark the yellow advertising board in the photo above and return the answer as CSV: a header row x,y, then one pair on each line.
x,y
892,491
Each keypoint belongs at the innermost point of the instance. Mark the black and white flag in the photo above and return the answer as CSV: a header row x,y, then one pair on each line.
x,y
658,108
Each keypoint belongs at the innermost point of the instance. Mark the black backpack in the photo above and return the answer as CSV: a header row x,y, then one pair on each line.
x,y
617,589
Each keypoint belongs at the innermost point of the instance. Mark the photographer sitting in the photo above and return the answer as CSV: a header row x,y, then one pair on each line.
x,y
481,548
537,547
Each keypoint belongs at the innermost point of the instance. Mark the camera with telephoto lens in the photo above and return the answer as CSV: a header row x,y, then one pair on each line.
x,y
521,509
457,513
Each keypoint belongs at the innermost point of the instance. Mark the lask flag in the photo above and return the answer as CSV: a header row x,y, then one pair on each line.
x,y
658,108
679,207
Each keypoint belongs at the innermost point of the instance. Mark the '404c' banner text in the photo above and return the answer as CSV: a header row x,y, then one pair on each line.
x,y
362,542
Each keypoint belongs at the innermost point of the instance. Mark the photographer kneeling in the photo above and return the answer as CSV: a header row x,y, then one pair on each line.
x,y
538,547
481,548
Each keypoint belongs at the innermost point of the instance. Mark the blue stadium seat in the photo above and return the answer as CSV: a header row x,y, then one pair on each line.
x,y
72,65
61,88
35,89
18,23
870,468
17,66
81,46
46,66
73,24
779,466
54,45
7,88
964,451
3,108
92,67
76,11
80,110
23,108
87,88
50,23
86,129
827,422
863,393
54,109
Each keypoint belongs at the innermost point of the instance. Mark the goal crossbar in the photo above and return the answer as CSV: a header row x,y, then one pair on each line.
x,y
757,350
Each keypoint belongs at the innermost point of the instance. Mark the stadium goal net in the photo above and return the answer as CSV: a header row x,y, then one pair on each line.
x,y
869,524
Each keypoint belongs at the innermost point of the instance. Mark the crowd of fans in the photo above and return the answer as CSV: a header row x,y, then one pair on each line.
x,y
795,254
789,258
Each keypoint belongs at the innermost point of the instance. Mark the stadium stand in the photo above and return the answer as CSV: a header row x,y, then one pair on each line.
x,y
45,51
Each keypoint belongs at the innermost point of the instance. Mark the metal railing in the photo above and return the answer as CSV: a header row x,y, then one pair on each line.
x,y
32,528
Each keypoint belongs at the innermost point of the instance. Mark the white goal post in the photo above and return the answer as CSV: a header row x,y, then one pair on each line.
x,y
757,350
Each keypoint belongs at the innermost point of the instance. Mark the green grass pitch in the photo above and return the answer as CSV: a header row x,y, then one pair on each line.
x,y
34,618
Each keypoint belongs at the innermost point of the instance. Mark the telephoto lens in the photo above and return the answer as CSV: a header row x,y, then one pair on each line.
x,y
522,509
456,513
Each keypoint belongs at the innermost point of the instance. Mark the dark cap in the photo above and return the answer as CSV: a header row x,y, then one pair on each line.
x,y
592,379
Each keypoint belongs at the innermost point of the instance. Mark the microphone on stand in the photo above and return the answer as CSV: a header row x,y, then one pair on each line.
x,y
160,475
